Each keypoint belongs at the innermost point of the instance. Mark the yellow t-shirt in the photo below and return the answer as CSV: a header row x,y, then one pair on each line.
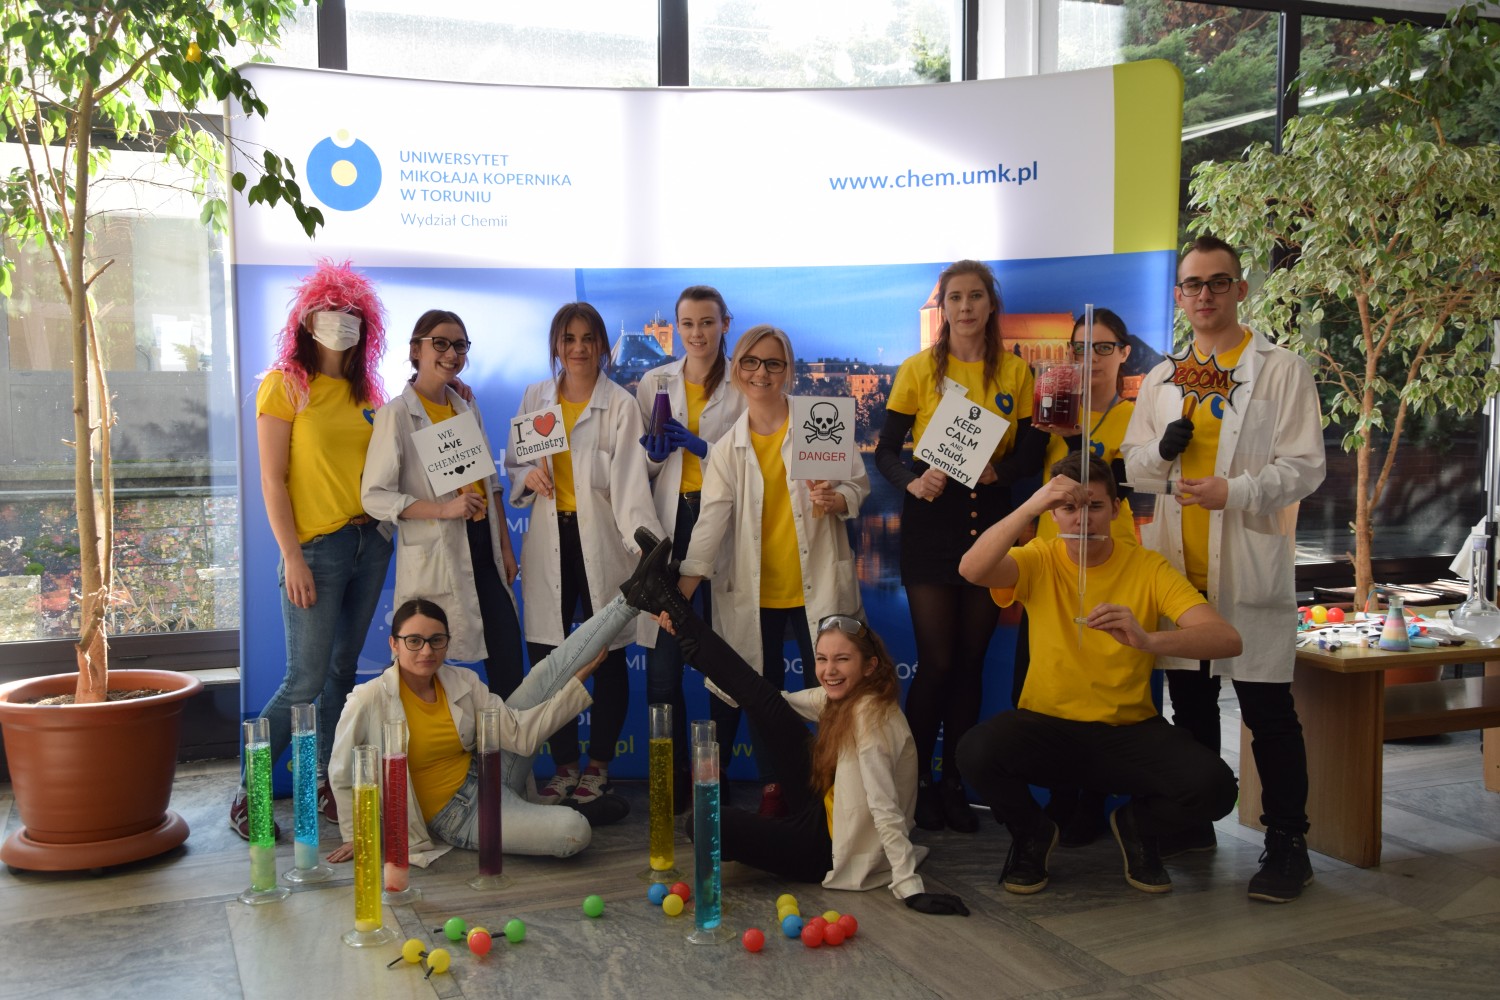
x,y
1101,681
1105,438
327,457
562,462
1197,463
828,809
916,391
692,466
780,567
437,413
436,761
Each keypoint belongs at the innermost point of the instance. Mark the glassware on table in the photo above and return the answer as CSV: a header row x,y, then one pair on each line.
x,y
1478,616
1057,396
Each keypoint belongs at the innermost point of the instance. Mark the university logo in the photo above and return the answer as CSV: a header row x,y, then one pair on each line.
x,y
343,172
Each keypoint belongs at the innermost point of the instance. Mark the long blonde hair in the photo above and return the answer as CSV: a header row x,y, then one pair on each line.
x,y
837,726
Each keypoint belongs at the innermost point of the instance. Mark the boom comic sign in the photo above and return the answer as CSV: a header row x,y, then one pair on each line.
x,y
1202,380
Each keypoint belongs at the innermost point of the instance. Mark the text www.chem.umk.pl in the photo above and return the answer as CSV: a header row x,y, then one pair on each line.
x,y
998,174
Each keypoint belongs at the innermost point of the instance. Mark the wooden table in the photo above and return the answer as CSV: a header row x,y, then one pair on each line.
x,y
1347,713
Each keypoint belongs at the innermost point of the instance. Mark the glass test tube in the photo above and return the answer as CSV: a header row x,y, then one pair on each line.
x,y
257,745
491,858
663,853
369,928
397,869
707,879
307,865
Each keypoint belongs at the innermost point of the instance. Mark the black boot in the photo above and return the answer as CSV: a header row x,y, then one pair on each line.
x,y
643,590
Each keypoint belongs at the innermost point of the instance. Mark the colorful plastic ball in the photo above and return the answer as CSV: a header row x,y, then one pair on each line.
x,y
515,930
812,936
848,925
682,889
787,911
1319,613
439,961
672,905
753,939
818,922
593,906
791,926
1336,615
833,935
413,950
480,941
657,893
454,928
784,900
832,916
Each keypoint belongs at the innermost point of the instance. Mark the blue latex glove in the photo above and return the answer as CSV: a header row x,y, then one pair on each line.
x,y
681,437
658,446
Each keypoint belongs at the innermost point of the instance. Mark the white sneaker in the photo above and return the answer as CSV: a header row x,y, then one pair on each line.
x,y
560,787
590,785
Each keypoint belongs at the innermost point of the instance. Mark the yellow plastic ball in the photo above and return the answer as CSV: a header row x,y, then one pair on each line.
x,y
672,905
439,960
784,900
832,916
787,911
413,950
1319,614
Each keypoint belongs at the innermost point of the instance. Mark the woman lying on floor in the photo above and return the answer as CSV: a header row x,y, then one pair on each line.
x,y
851,789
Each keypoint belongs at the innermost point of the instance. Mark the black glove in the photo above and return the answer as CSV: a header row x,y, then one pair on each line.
x,y
938,903
1174,440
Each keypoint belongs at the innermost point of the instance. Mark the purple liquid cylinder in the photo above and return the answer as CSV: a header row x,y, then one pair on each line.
x,y
490,858
661,407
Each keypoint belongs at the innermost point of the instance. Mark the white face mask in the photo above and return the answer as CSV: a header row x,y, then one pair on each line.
x,y
336,331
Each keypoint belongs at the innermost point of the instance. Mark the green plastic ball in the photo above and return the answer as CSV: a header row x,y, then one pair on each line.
x,y
593,906
515,930
454,928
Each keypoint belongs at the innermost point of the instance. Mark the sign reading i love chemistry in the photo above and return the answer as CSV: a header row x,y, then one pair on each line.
x,y
538,433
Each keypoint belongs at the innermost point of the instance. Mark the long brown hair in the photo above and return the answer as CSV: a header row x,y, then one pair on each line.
x,y
708,293
994,345
837,726
560,321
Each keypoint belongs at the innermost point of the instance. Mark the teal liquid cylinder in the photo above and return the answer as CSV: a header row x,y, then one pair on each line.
x,y
707,876
305,797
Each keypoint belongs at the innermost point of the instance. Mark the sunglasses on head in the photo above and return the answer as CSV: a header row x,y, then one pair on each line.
x,y
847,624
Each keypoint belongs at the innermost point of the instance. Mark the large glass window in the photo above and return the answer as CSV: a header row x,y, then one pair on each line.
x,y
791,43
582,43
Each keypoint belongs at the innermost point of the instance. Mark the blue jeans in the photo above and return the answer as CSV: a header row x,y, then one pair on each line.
x,y
323,642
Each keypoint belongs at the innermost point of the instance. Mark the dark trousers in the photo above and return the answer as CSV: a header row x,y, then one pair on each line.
x,y
611,680
794,847
504,664
1174,781
1275,737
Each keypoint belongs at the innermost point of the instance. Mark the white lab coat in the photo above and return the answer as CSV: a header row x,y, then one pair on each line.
x,y
432,554
874,801
730,515
720,411
614,498
1271,452
372,703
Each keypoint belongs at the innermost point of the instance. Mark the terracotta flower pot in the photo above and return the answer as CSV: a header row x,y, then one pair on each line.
x,y
92,782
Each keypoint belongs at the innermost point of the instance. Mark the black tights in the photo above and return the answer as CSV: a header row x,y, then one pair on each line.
x,y
953,624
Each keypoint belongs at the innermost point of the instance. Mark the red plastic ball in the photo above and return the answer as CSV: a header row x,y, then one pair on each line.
x,y
753,940
817,922
848,925
480,942
812,936
681,889
1336,615
833,935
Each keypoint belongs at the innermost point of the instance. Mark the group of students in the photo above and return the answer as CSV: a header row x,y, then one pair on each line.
x,y
628,521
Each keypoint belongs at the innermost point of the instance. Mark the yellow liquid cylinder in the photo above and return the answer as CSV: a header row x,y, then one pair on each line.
x,y
367,916
663,854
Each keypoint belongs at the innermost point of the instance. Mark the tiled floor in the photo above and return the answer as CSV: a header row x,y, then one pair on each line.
x,y
1425,923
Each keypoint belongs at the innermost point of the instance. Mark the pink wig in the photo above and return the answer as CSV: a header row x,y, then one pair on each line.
x,y
332,287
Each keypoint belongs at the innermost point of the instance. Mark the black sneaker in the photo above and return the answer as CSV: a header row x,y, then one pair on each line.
x,y
1284,868
1143,868
1026,864
929,814
1187,839
602,810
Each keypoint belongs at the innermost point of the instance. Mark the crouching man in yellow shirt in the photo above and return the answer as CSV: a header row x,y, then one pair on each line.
x,y
1086,718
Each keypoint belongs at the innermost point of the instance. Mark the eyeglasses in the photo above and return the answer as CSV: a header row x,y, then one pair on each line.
x,y
1218,284
1102,349
442,344
414,642
847,624
750,363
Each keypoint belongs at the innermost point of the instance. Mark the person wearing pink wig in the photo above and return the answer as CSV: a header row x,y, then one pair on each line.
x,y
314,415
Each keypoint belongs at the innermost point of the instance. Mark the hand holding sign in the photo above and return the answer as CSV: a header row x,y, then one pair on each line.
x,y
534,436
960,439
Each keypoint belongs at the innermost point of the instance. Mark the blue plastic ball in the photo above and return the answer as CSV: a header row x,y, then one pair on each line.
x,y
792,926
657,893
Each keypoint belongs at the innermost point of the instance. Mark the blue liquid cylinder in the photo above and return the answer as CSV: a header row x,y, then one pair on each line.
x,y
707,880
305,797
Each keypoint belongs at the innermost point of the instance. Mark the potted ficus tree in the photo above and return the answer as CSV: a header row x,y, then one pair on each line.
x,y
1389,211
92,779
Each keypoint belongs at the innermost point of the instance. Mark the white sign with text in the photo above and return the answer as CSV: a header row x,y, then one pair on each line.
x,y
538,433
454,453
960,438
822,432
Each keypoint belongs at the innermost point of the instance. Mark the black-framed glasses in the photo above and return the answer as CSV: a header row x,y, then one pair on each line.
x,y
442,344
847,624
751,363
1102,349
414,642
1218,284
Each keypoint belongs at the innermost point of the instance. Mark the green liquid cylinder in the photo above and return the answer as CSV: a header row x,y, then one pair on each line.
x,y
663,853
367,915
707,882
262,820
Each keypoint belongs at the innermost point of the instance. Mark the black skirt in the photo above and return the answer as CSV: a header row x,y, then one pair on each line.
x,y
936,534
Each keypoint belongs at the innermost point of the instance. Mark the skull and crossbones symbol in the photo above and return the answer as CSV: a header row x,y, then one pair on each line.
x,y
823,423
